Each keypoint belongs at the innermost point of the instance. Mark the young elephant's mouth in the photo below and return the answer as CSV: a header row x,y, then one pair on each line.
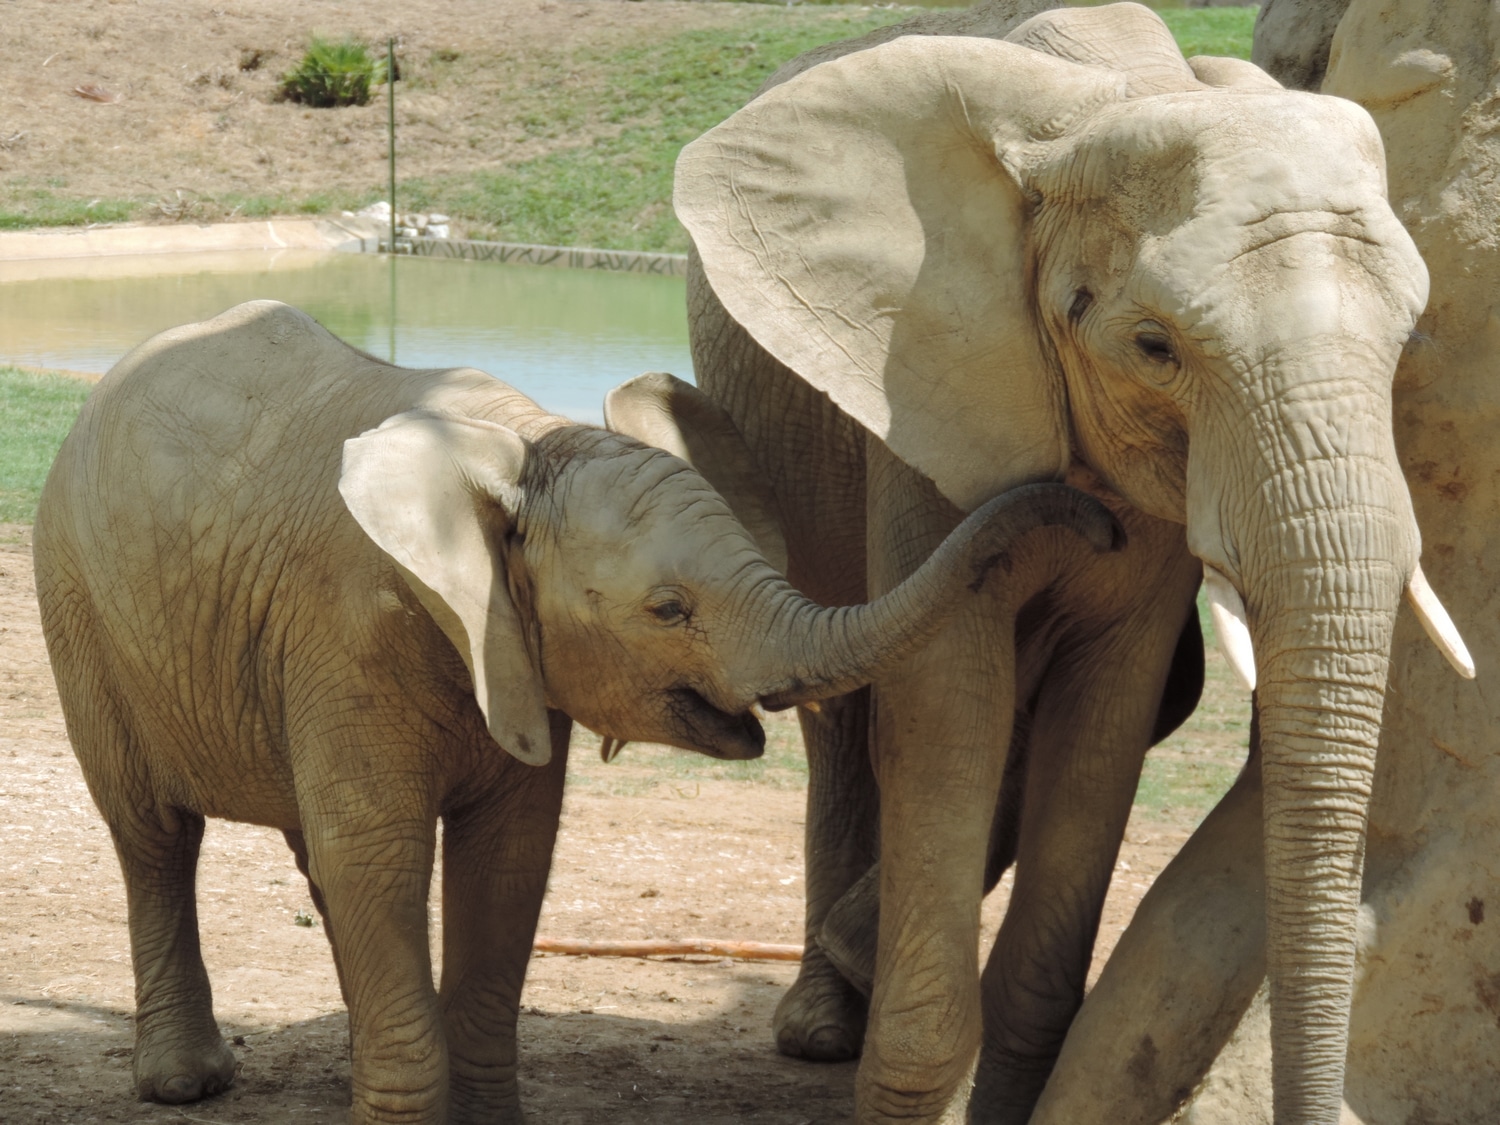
x,y
698,725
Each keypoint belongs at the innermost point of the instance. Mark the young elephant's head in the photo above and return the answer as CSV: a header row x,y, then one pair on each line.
x,y
607,578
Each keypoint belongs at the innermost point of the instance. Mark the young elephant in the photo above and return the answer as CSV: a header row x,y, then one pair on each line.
x,y
286,583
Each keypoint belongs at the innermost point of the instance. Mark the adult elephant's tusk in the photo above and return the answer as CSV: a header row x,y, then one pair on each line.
x,y
1438,624
1228,611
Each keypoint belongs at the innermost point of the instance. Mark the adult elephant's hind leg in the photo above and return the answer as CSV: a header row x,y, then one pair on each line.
x,y
822,1016
497,849
179,1054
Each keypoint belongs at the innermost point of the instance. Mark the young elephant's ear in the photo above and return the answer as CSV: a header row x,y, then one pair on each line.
x,y
866,222
436,493
661,410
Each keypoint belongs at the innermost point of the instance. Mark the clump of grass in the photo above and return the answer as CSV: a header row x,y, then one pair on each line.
x,y
333,73
36,413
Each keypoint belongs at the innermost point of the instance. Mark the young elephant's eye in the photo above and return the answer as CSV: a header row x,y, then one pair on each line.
x,y
671,612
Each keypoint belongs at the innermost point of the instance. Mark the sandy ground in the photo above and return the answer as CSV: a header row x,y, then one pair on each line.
x,y
198,119
642,854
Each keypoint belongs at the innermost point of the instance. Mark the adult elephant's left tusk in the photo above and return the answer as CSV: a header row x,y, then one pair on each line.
x,y
1438,624
1228,611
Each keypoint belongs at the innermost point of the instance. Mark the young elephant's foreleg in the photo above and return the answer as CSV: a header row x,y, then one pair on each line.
x,y
822,1016
179,1053
497,849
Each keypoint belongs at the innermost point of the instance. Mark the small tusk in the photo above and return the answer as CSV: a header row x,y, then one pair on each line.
x,y
1438,624
814,706
1228,611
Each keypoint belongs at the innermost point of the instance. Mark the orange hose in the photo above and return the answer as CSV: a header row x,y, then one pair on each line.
x,y
656,947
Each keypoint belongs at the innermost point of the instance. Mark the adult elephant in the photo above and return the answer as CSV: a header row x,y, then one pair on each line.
x,y
942,265
1423,1044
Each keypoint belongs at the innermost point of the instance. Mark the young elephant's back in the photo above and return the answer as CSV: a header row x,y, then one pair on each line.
x,y
191,543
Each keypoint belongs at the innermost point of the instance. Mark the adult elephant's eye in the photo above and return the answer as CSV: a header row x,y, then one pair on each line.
x,y
671,612
1156,347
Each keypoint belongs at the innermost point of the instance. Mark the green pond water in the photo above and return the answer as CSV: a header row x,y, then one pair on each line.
x,y
563,336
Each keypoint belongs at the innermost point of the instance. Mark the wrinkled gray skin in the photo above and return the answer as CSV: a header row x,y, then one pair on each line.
x,y
1266,434
285,583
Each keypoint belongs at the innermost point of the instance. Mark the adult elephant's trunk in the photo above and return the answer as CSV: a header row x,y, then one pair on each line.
x,y
803,651
1323,634
1316,531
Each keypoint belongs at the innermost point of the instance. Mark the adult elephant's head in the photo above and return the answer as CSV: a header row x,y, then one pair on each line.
x,y
998,258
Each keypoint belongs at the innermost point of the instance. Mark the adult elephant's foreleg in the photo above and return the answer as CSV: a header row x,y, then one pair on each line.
x,y
497,849
822,1016
942,726
1091,725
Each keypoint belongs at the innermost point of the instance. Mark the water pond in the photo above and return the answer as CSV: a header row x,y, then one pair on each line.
x,y
563,336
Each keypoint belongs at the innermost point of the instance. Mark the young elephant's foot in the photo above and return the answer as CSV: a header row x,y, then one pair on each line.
x,y
175,1073
822,1017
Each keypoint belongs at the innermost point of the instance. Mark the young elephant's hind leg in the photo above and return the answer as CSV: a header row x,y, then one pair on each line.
x,y
179,1053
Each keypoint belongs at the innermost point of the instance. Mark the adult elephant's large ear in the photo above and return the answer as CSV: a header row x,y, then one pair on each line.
x,y
436,493
866,222
661,410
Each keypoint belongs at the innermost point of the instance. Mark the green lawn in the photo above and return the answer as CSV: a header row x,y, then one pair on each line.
x,y
36,411
641,102
617,192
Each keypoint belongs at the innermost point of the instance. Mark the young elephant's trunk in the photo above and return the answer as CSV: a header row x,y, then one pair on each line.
x,y
814,652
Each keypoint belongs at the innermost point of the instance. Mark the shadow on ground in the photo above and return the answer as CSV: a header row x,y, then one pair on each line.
x,y
70,1062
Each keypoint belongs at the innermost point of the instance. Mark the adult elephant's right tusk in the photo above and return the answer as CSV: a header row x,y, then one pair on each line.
x,y
1438,624
1228,611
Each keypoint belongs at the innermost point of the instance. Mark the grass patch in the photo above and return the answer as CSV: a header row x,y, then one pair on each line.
x,y
651,100
36,412
641,103
333,73
24,207
617,191
1183,789
1185,776
1212,31
642,769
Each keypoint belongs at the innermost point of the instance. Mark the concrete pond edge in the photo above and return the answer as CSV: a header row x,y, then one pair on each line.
x,y
356,234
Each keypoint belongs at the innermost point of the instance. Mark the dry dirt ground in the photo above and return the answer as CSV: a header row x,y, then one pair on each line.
x,y
643,853
198,119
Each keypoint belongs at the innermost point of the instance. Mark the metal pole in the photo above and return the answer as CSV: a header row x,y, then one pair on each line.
x,y
390,126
